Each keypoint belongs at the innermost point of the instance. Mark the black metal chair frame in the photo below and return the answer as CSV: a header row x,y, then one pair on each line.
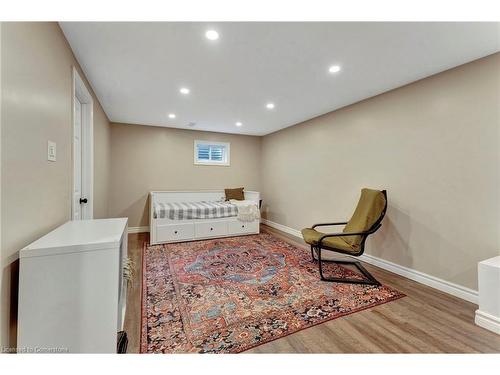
x,y
369,279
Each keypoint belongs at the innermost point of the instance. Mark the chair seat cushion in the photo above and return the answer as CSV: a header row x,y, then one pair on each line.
x,y
312,236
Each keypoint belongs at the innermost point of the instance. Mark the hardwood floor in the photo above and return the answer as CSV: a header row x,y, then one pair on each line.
x,y
132,324
425,321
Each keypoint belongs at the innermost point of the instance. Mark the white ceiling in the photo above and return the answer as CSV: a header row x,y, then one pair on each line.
x,y
136,69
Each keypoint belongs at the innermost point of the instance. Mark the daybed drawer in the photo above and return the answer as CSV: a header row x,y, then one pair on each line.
x,y
210,229
175,232
238,227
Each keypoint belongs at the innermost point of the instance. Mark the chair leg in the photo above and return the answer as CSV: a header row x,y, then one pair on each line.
x,y
312,254
369,279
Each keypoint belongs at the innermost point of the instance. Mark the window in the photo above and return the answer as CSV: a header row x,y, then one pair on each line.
x,y
211,153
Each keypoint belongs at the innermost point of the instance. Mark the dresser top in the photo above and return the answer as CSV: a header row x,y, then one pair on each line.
x,y
492,262
78,235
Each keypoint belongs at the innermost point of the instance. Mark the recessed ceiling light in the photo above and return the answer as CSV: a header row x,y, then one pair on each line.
x,y
171,115
184,90
334,69
270,105
239,124
212,35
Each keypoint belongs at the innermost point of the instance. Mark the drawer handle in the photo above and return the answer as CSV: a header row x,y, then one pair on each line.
x,y
243,226
211,228
175,232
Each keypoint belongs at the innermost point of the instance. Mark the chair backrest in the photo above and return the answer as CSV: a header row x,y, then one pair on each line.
x,y
368,214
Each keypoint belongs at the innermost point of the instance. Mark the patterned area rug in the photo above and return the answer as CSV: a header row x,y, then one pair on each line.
x,y
229,295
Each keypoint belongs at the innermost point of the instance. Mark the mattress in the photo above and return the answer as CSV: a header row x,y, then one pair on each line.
x,y
194,210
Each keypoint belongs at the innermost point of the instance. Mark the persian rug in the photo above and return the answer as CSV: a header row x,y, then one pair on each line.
x,y
229,295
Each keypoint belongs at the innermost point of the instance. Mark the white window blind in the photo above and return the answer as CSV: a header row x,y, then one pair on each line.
x,y
211,153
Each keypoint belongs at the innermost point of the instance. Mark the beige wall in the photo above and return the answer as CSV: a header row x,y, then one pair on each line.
x,y
146,158
36,107
102,161
434,145
3,308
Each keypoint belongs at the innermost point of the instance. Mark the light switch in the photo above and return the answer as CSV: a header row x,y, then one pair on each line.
x,y
51,151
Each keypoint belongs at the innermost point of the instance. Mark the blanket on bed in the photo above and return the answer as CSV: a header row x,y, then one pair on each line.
x,y
247,210
194,210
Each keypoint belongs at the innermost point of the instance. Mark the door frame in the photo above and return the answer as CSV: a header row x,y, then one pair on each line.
x,y
81,92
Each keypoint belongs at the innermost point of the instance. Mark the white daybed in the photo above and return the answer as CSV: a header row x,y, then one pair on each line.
x,y
167,228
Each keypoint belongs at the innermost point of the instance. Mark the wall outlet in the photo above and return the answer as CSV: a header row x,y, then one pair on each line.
x,y
51,151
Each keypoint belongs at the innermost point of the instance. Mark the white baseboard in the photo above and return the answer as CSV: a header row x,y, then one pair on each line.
x,y
420,277
138,229
488,321
283,228
424,278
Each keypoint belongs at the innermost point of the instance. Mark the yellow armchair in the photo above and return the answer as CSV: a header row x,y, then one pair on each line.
x,y
367,219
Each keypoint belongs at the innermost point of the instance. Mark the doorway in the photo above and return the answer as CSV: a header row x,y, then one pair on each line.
x,y
83,150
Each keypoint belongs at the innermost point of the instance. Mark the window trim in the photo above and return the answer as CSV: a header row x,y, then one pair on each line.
x,y
224,163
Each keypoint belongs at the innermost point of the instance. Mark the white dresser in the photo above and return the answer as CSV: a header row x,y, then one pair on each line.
x,y
72,294
488,313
